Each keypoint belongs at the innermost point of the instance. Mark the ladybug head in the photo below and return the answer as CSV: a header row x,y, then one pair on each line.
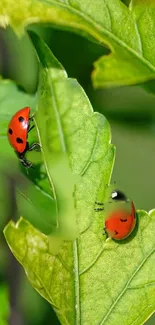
x,y
117,195
116,199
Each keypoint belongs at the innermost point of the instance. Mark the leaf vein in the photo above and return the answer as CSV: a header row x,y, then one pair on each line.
x,y
89,161
141,286
50,299
93,262
139,38
64,264
125,288
109,14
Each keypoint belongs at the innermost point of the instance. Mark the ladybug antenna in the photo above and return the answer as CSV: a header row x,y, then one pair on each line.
x,y
99,209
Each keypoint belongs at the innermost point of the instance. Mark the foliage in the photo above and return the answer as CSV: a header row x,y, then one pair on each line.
x,y
116,278
59,242
127,31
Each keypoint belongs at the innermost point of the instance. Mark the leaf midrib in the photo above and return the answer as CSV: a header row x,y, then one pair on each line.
x,y
62,141
60,129
58,119
99,35
76,283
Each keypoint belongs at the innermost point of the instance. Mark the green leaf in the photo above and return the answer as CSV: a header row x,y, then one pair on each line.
x,y
92,281
4,303
52,135
66,127
66,124
132,36
127,32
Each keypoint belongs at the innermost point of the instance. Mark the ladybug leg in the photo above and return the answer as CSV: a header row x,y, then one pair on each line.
x,y
99,209
104,233
31,118
34,146
30,128
99,203
23,160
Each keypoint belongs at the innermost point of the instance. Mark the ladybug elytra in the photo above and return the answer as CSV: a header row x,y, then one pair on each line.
x,y
120,214
18,130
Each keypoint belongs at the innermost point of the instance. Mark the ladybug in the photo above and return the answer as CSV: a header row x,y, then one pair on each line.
x,y
120,216
18,130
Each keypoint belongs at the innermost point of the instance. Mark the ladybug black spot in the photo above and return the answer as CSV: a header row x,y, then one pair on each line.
x,y
21,119
10,131
123,220
116,232
19,140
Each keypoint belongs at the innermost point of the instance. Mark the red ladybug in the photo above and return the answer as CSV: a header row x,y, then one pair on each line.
x,y
18,130
121,220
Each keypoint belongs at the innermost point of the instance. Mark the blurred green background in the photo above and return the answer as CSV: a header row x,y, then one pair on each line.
x,y
131,114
